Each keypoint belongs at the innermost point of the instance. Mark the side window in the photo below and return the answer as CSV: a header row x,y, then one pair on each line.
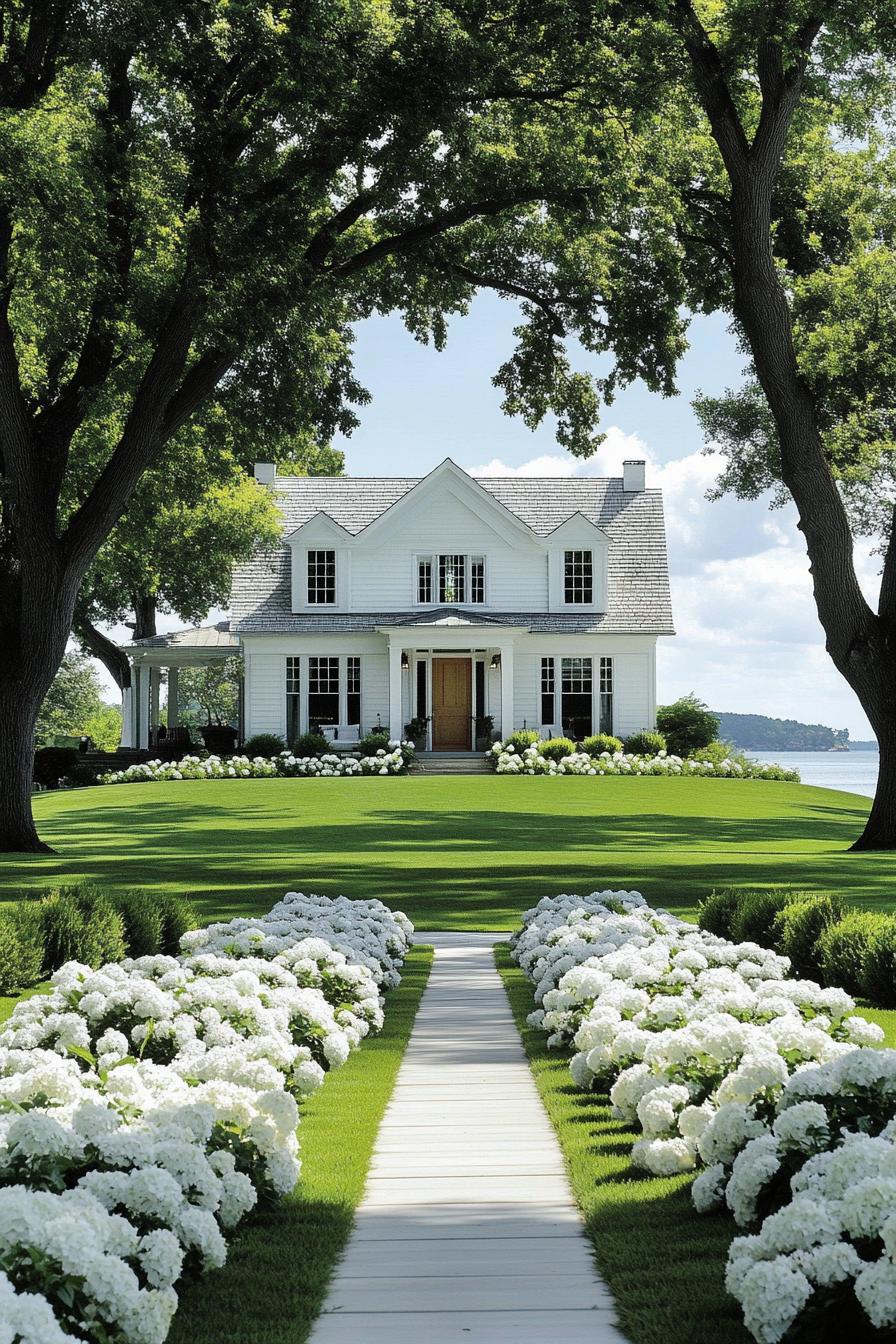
x,y
293,701
321,578
547,690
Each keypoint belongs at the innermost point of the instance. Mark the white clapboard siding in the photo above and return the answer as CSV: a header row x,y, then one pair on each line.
x,y
632,709
265,693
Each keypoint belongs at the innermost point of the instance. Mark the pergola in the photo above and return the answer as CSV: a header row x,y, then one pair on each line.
x,y
150,659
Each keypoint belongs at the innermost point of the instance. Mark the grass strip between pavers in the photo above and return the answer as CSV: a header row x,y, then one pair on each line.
x,y
663,1262
279,1266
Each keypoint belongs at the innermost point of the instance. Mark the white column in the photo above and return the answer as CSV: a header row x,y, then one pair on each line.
x,y
173,703
142,704
395,725
507,724
127,715
155,686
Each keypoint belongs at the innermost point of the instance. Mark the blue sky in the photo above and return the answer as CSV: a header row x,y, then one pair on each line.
x,y
748,637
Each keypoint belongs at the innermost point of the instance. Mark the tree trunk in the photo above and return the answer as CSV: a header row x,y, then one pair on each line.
x,y
17,719
880,829
144,616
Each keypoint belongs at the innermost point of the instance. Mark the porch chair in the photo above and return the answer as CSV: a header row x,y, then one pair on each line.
x,y
549,730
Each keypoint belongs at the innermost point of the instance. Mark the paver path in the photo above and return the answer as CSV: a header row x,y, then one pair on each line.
x,y
467,1231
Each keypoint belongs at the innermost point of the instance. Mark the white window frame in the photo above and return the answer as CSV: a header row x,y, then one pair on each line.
x,y
584,604
433,558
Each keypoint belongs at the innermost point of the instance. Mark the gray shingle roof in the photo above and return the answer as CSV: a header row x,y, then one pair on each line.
x,y
638,575
195,637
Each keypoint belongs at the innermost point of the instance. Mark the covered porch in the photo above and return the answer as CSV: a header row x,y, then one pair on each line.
x,y
159,659
451,670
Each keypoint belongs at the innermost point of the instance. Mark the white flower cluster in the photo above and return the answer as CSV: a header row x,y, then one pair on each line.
x,y
145,1107
721,1061
390,760
530,761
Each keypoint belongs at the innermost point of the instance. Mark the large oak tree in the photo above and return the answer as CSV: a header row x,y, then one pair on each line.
x,y
202,196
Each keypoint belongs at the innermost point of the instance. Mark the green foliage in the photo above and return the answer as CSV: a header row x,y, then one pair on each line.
x,y
310,744
263,744
879,965
716,913
21,947
521,739
142,916
687,725
555,748
601,742
718,752
369,745
80,924
799,926
52,764
753,919
757,732
644,744
179,915
415,729
209,695
104,727
73,702
843,947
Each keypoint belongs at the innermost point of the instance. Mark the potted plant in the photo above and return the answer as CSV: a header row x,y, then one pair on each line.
x,y
485,727
416,731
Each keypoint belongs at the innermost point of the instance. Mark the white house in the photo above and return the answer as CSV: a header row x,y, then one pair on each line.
x,y
537,601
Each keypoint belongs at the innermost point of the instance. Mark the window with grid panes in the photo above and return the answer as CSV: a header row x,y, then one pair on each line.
x,y
323,691
293,700
548,686
576,687
353,688
606,695
424,580
321,578
578,578
477,578
451,578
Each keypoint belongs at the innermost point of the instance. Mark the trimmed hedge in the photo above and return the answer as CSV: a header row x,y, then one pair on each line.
x,y
41,933
263,744
521,739
825,941
799,926
645,744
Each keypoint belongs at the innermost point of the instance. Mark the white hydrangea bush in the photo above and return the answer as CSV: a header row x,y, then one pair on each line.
x,y
154,1102
723,1062
505,759
389,760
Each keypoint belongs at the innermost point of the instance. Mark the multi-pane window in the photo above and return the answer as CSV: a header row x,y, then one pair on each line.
x,y
606,695
321,578
353,688
421,689
451,578
323,691
576,687
293,702
548,686
424,580
578,578
477,578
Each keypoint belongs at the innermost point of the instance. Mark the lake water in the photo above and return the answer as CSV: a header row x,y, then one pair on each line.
x,y
852,771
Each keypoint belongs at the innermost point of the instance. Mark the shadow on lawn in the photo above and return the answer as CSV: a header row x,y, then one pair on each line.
x,y
448,867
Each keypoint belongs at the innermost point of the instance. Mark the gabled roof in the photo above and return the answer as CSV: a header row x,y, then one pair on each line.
x,y
446,616
638,578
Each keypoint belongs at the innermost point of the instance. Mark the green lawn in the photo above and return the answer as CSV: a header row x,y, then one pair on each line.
x,y
454,852
279,1267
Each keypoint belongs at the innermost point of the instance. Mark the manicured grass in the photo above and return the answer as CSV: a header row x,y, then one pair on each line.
x,y
278,1269
454,852
664,1262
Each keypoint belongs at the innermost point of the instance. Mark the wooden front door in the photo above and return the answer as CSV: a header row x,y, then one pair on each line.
x,y
452,704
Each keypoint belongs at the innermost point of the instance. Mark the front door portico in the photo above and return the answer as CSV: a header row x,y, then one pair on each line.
x,y
452,704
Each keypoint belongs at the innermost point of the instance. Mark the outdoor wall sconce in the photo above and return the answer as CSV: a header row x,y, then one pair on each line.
x,y
495,662
405,662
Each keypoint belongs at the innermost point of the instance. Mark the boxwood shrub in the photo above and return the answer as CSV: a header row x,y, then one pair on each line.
x,y
644,744
522,739
798,927
263,744
601,742
843,948
717,912
21,947
753,920
310,744
879,964
555,748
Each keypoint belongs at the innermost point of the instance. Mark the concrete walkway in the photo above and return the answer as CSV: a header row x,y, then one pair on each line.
x,y
467,1231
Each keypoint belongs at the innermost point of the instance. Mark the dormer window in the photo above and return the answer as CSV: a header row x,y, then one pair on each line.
x,y
448,579
578,578
321,578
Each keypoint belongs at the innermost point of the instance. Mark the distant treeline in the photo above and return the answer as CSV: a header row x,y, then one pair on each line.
x,y
756,732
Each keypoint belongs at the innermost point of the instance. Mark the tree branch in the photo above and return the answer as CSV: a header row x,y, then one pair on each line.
x,y
712,86
100,646
887,603
503,286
